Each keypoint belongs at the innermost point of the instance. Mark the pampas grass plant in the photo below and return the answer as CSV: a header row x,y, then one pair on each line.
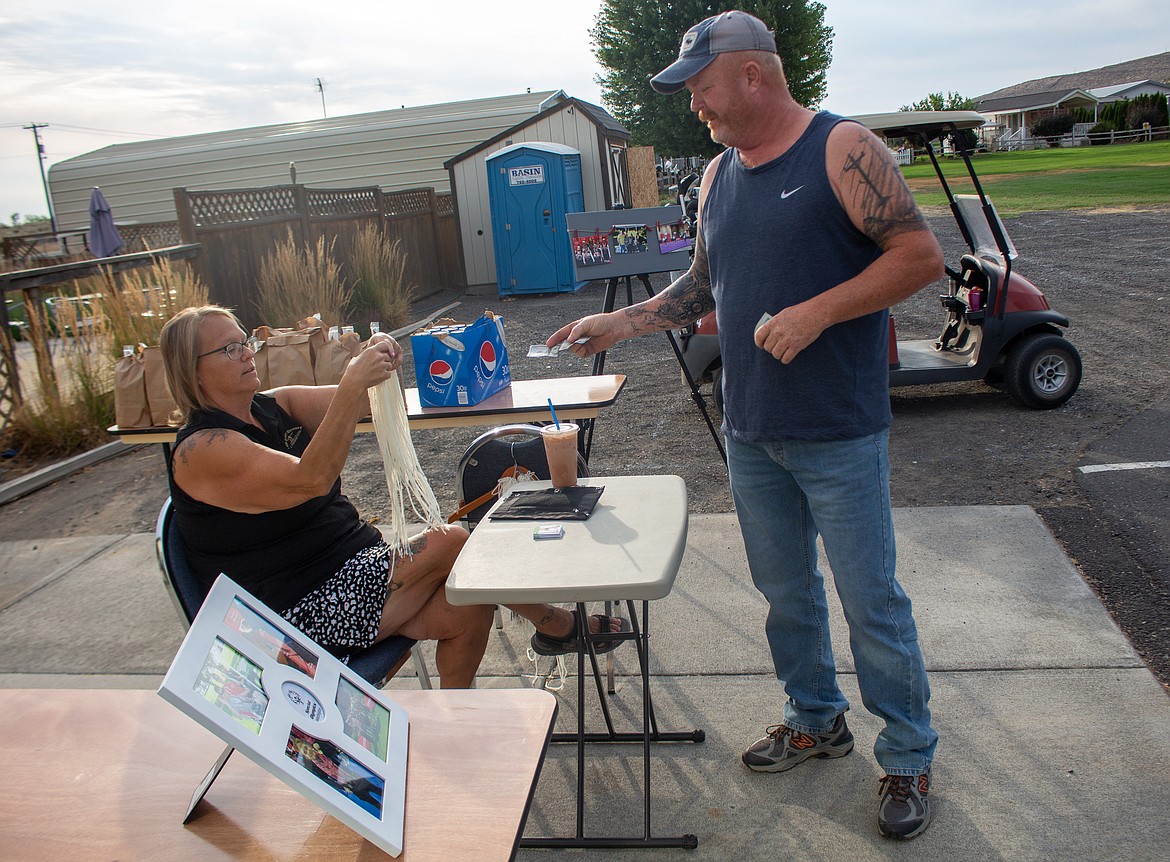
x,y
380,289
135,311
74,403
295,282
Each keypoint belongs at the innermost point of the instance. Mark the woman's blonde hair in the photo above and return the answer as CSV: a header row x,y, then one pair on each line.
x,y
179,345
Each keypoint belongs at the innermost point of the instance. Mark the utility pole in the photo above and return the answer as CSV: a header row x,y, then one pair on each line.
x,y
321,90
36,130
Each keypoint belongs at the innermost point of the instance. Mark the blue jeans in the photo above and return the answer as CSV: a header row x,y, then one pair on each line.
x,y
788,492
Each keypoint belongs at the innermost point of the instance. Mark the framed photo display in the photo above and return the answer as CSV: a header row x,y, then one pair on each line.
x,y
615,243
258,683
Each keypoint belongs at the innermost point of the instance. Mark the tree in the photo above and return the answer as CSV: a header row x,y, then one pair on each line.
x,y
18,219
1052,127
634,40
938,102
1149,108
951,102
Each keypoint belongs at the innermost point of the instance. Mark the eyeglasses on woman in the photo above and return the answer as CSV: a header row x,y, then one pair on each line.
x,y
235,350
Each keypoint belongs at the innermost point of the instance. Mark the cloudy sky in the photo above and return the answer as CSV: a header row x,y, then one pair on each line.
x,y
127,70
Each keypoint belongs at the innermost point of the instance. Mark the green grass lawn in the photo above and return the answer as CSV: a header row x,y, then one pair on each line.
x,y
1056,179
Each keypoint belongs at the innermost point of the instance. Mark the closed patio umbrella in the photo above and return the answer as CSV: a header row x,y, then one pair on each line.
x,y
104,239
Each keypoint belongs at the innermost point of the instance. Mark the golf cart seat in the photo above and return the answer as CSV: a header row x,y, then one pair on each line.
x,y
976,275
972,271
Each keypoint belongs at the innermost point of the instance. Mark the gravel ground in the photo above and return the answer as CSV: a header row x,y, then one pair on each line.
x,y
959,444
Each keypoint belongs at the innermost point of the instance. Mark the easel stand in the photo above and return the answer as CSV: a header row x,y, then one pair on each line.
x,y
611,288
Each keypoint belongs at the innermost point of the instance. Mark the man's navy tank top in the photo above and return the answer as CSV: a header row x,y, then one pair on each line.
x,y
776,235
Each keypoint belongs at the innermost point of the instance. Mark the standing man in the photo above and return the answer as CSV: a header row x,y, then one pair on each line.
x,y
807,235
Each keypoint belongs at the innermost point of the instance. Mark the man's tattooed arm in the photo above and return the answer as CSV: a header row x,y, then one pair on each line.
x,y
877,194
687,299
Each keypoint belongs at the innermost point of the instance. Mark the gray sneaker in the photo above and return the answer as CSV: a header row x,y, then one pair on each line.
x,y
784,748
904,810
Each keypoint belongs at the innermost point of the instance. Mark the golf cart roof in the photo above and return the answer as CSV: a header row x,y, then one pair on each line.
x,y
926,124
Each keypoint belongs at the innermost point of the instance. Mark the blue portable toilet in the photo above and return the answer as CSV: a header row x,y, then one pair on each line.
x,y
530,188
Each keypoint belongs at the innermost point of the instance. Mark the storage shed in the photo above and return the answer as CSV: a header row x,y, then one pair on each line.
x,y
586,128
394,150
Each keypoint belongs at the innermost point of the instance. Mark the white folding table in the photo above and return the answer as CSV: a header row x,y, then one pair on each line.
x,y
629,549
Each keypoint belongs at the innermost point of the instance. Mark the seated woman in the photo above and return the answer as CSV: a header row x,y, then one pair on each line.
x,y
256,489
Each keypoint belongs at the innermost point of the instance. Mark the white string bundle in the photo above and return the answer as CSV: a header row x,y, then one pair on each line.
x,y
405,478
507,482
556,676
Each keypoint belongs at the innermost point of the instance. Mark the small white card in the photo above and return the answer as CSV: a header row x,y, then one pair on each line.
x,y
764,318
548,531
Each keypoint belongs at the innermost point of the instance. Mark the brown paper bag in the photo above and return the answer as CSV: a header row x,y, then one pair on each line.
x,y
131,409
317,332
333,357
158,394
261,357
289,360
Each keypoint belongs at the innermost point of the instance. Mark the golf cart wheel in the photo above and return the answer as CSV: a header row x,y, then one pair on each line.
x,y
1042,371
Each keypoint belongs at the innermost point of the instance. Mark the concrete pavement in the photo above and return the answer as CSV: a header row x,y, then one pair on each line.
x,y
1053,746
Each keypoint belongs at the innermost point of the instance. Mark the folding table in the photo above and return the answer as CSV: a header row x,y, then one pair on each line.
x,y
575,398
629,549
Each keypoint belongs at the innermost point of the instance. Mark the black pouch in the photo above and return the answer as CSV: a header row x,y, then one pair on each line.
x,y
550,504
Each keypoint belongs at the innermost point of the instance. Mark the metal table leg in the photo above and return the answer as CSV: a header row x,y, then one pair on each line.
x,y
649,733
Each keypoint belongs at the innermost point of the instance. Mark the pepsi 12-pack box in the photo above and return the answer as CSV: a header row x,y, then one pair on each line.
x,y
460,364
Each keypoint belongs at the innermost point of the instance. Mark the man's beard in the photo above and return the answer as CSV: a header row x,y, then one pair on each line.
x,y
729,123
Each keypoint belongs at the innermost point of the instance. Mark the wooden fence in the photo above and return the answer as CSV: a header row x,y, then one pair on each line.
x,y
237,228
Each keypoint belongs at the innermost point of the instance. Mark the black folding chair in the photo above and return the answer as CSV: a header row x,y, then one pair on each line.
x,y
506,452
376,663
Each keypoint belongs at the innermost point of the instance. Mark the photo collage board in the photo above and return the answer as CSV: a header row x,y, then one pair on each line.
x,y
628,242
250,677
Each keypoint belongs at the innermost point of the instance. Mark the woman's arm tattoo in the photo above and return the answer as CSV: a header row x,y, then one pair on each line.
x,y
208,437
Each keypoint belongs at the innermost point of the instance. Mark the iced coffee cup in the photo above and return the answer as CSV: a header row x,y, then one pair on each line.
x,y
560,448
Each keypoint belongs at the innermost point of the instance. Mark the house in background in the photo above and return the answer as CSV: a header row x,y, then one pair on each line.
x,y
1012,109
1010,117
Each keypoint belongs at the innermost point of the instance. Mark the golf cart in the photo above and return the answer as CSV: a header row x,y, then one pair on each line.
x,y
998,326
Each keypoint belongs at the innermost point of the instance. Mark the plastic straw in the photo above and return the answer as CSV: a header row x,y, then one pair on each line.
x,y
554,413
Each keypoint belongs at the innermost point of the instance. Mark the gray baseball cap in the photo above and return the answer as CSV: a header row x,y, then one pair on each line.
x,y
730,31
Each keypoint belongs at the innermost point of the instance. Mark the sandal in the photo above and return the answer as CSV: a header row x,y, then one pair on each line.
x,y
543,644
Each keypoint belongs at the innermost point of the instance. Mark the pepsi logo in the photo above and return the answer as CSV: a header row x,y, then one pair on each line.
x,y
441,372
487,358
